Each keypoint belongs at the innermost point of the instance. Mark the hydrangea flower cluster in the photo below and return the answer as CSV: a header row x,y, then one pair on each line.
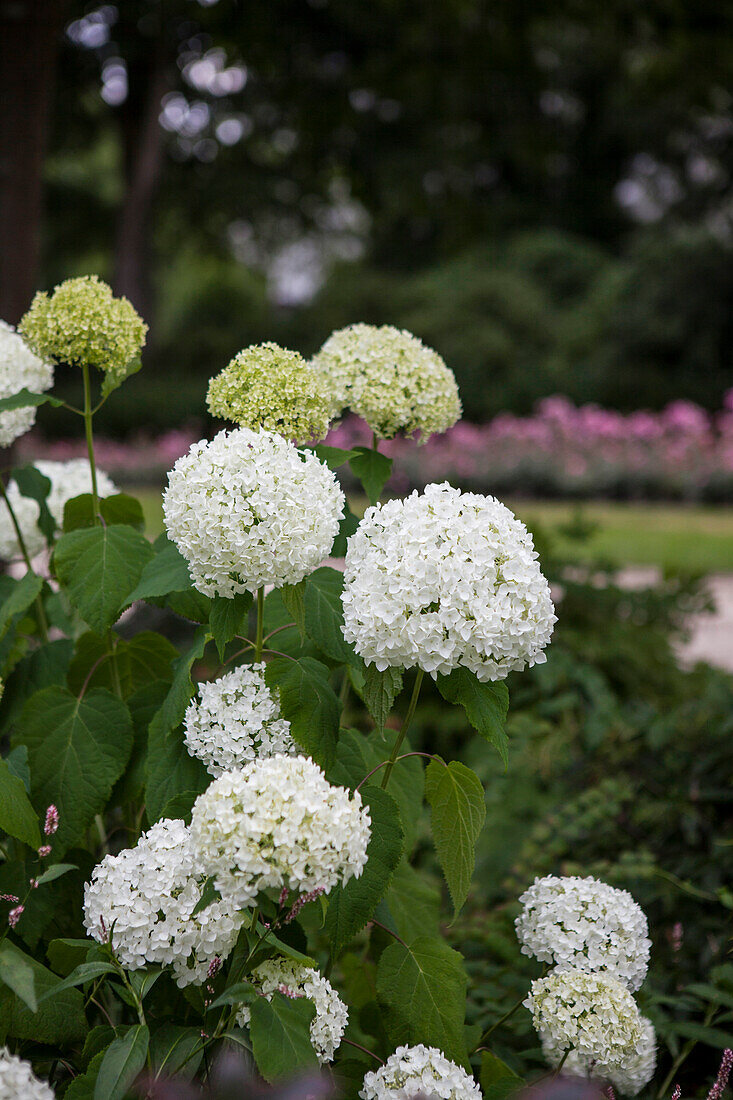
x,y
295,980
250,509
391,379
446,579
278,823
595,1018
68,480
585,924
266,386
638,1070
82,323
18,1081
19,369
145,898
235,720
419,1071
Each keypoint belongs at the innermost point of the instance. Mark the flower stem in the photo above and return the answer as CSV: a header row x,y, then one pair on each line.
x,y
40,613
260,624
88,414
502,1019
683,1055
405,726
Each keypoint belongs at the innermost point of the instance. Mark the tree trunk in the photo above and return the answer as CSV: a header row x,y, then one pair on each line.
x,y
29,41
143,158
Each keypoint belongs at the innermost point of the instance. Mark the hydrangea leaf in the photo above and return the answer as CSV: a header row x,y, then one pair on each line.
x,y
458,811
172,1050
414,903
334,456
59,1019
144,659
122,1062
22,595
17,816
170,770
324,615
228,617
498,1081
293,596
352,905
347,527
280,1033
167,572
486,705
309,703
113,381
99,568
380,691
77,749
373,470
32,483
17,974
39,669
118,508
422,988
24,398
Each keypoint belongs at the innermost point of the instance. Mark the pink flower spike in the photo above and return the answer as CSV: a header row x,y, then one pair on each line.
x,y
44,850
14,915
8,897
723,1074
677,1093
52,820
33,883
214,966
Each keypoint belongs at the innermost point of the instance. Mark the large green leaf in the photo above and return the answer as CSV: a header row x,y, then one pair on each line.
x,y
77,750
16,972
352,905
485,704
24,398
59,1019
458,811
498,1081
99,568
414,903
17,816
123,1060
20,599
280,1033
229,617
32,483
172,1050
308,702
373,470
118,508
171,771
422,987
380,691
144,659
41,668
165,573
324,614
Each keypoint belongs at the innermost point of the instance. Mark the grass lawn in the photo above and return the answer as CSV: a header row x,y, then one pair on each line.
x,y
697,539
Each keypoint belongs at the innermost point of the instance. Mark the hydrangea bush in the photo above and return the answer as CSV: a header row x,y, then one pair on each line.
x,y
223,843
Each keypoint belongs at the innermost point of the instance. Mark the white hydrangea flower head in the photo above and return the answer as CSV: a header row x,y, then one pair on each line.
x,y
250,509
593,1016
18,1081
296,980
19,369
236,720
145,897
391,379
71,479
26,511
419,1071
585,924
445,579
639,1069
278,823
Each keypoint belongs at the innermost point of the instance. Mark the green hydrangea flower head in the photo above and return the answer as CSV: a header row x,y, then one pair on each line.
x,y
266,386
390,379
81,322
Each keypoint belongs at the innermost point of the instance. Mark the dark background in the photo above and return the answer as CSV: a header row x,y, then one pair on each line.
x,y
542,191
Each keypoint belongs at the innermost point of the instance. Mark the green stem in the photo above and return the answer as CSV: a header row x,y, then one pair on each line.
x,y
375,441
40,613
405,726
502,1019
260,624
88,415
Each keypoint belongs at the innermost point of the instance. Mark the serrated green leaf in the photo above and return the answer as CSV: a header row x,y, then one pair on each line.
x,y
209,895
77,750
32,483
20,599
485,704
16,972
422,987
352,905
324,614
23,399
165,573
118,508
112,380
17,816
123,1060
414,903
143,659
380,691
498,1081
458,811
347,527
99,567
229,617
280,1032
293,596
60,1019
373,471
334,456
308,702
